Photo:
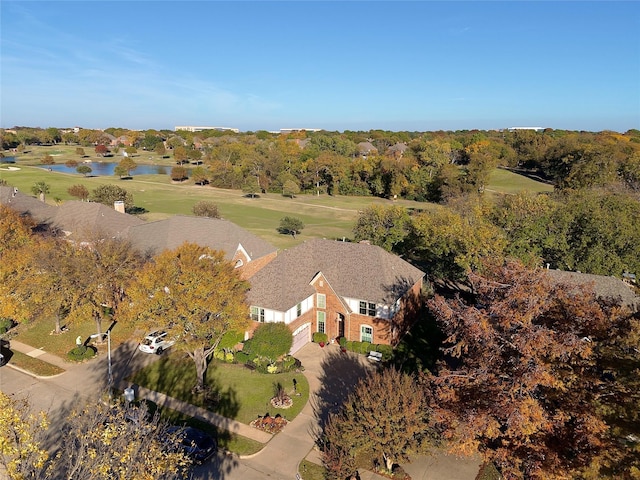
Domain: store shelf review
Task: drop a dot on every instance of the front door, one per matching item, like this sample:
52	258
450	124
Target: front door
340	321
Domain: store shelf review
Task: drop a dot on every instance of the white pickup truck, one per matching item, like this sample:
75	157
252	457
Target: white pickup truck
155	342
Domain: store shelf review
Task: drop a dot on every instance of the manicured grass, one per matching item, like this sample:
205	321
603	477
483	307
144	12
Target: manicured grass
40	335
243	394
34	365
504	181
311	471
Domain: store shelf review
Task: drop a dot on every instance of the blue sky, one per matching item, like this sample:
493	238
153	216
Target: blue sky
335	65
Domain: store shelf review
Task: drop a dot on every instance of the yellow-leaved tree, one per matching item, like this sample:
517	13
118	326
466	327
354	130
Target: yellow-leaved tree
195	295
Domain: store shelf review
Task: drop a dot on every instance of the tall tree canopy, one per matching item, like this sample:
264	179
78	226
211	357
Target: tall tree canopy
523	379
195	294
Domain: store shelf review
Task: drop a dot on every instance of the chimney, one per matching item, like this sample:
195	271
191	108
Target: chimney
118	206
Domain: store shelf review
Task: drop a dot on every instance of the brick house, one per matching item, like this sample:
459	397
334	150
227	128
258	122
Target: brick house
352	290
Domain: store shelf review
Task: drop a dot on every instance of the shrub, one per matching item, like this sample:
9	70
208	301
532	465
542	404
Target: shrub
369	347
343	342
288	363
386	351
272	340
206	208
272	368
81	353
228	357
5	325
320	337
241	357
349	345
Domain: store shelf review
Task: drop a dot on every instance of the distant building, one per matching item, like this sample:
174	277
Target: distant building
190	128
536	129
293	130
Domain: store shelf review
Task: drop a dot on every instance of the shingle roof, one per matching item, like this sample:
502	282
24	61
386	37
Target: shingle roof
604	287
25	204
87	218
218	234
354	270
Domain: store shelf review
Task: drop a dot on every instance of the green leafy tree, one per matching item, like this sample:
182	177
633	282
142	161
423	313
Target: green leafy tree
109	194
84	170
251	186
452	243
206	208
196	295
290	188
131	150
290	226
200	175
124	167
384	421
386	227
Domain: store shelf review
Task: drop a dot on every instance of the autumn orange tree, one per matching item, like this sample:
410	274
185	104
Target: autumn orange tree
522	377
383	422
195	294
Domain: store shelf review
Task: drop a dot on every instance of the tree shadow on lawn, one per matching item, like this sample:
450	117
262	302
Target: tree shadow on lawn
340	373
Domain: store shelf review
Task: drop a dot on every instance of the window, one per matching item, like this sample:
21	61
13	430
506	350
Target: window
367	308
321	300
298	310
366	334
257	314
321	322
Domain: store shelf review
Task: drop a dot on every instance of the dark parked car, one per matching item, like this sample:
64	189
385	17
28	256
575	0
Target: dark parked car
195	443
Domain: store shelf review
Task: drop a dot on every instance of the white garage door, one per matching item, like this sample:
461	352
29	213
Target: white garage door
301	337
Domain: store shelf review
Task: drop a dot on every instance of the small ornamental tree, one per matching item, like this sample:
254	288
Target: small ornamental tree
48	160
384	421
271	340
206	208
78	191
84	170
71	163
290	226
40	189
290	189
131	151
251	186
101	150
80	151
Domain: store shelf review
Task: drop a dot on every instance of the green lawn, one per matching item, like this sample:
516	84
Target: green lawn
504	181
243	394
34	365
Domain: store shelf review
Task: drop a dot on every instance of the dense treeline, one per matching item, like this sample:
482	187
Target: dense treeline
423	166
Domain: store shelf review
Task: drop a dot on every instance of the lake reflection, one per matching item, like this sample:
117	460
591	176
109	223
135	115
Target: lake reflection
107	168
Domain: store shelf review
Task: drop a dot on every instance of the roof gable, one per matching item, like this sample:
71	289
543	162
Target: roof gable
354	270
215	233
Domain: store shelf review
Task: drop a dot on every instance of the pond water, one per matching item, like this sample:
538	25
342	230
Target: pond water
8	160
107	168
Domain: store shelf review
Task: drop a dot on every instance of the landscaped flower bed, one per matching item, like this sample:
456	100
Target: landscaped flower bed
270	424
